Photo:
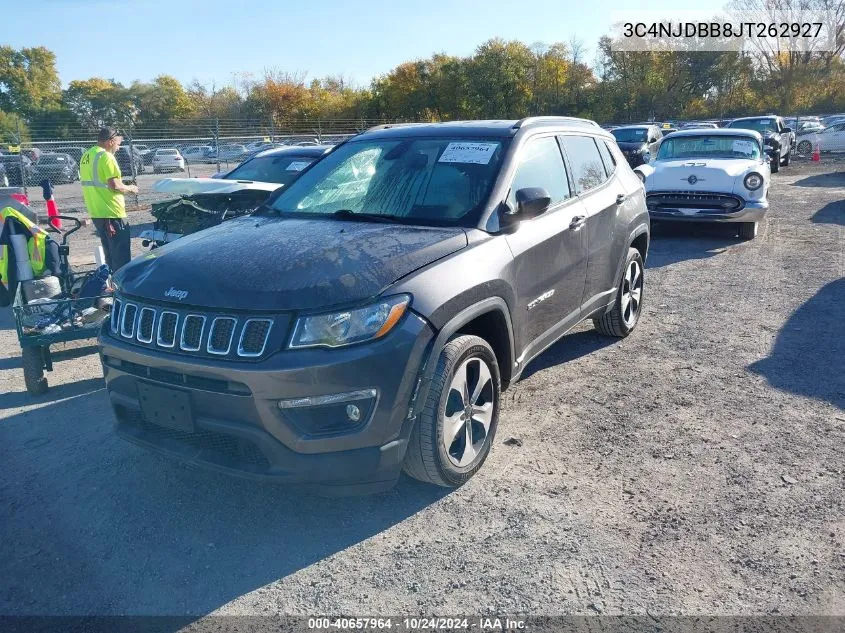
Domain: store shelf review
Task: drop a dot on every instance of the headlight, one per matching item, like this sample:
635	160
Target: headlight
753	181
349	326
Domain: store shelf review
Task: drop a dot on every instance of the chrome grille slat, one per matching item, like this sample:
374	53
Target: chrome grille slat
115	317
219	342
191	339
164	327
203	334
254	331
146	325
130	312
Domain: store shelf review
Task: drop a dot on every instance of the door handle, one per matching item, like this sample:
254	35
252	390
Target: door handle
577	222
621	198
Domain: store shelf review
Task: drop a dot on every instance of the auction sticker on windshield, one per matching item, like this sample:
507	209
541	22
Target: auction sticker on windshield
298	165
475	153
743	147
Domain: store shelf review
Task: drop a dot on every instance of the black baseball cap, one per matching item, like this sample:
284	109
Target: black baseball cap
108	133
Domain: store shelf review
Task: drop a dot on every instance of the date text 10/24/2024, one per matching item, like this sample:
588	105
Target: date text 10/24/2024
417	624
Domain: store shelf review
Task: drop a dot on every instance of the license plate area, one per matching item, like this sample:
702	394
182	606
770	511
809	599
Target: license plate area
167	408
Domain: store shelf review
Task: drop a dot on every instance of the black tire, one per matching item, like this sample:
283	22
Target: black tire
33	370
776	164
805	148
747	230
786	159
427	458
615	323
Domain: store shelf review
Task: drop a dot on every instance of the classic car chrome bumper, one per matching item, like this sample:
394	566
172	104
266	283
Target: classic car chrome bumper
750	212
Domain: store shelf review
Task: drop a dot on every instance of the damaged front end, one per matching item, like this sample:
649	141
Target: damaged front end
191	213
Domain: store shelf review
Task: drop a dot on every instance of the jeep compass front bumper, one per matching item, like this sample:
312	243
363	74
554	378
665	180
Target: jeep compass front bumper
328	416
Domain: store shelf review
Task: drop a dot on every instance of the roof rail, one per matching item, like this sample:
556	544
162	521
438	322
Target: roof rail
552	119
387	126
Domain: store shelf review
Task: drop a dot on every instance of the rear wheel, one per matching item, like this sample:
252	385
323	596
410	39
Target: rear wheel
786	159
455	430
33	370
776	164
747	230
623	317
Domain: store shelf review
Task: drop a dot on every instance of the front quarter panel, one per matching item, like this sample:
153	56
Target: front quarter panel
481	270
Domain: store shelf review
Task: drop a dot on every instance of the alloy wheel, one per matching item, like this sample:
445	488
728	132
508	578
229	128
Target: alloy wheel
632	292
469	411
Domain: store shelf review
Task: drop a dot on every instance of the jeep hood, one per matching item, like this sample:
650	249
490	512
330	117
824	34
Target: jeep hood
193	186
278	264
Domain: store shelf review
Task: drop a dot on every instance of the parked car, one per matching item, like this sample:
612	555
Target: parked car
830	139
231	152
832	119
74	152
367	317
777	137
637	142
195	154
57	168
703	125
206	202
12	164
125	163
711	176
168	159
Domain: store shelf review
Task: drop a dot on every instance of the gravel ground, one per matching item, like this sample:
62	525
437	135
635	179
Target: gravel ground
693	468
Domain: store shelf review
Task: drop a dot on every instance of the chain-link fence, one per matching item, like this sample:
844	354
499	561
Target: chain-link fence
181	149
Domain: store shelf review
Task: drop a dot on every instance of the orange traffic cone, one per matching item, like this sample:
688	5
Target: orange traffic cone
817	153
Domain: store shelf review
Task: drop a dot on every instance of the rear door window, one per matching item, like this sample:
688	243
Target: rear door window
587	165
541	165
607	158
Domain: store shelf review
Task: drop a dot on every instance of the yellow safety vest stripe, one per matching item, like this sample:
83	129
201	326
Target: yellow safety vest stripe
37	245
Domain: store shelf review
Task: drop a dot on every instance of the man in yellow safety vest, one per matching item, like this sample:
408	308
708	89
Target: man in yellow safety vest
103	192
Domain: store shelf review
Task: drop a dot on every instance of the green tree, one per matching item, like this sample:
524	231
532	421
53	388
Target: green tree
29	82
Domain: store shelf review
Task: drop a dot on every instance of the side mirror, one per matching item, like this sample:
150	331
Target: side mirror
787	129
531	202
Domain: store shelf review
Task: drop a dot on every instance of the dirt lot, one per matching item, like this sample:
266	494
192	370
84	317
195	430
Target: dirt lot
695	468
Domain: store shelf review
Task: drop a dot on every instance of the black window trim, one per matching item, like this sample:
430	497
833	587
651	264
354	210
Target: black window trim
517	162
569	170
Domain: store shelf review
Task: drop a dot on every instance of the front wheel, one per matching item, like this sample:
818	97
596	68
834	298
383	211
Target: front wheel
747	230
33	370
805	148
625	314
455	430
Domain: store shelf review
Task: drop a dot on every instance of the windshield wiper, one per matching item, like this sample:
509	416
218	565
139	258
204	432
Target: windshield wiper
348	214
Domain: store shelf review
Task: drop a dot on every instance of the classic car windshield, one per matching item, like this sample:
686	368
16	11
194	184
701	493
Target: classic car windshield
707	146
630	135
417	180
758	125
282	169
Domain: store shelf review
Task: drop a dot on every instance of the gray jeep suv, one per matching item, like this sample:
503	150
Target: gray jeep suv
367	318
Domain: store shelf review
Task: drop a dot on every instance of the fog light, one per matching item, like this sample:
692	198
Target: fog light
331	414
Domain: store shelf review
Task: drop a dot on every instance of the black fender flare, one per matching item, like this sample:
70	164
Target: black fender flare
638	230
426	372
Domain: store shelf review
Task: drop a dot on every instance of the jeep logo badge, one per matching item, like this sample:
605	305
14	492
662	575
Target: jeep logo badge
176	294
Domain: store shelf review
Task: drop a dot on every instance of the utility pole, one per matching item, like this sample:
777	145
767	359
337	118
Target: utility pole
217	142
20	156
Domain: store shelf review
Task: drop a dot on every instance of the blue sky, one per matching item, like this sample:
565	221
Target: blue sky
210	40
